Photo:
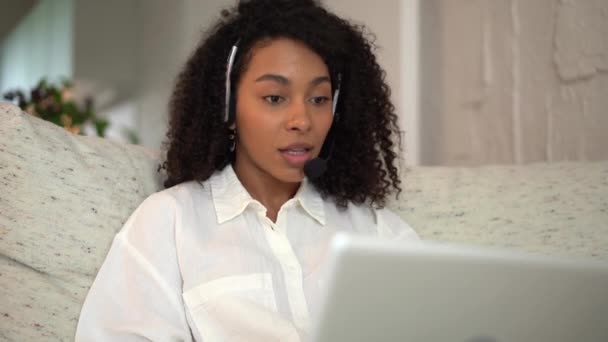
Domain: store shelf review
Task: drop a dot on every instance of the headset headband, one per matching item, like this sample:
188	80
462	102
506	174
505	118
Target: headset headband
231	57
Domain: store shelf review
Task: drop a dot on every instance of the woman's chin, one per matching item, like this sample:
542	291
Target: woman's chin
291	175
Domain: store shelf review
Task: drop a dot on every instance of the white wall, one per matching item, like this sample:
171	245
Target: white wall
514	81
394	23
128	53
107	49
409	61
39	46
170	32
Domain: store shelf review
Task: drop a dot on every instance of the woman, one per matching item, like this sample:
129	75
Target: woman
280	136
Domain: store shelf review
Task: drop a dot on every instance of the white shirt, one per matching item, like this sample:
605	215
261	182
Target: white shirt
204	263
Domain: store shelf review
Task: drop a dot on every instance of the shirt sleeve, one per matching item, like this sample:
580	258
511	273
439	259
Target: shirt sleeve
136	295
390	225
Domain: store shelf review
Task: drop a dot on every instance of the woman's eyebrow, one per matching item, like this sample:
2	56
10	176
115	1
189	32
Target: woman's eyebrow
320	80
272	77
285	81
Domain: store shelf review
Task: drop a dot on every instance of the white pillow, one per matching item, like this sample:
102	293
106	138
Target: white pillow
558	209
62	199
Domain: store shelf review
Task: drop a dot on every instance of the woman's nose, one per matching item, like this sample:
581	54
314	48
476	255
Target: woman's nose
298	117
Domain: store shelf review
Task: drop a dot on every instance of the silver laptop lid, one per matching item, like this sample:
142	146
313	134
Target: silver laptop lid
379	290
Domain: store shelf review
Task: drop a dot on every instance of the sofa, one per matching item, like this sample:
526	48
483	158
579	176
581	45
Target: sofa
63	197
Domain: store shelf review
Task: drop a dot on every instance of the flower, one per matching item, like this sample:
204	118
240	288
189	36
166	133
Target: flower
31	109
67	94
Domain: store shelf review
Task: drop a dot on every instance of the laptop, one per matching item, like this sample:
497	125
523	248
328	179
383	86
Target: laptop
379	290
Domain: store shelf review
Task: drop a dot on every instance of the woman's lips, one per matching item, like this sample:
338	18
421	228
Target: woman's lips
297	155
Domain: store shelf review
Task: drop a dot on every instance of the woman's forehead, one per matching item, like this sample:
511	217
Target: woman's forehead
286	57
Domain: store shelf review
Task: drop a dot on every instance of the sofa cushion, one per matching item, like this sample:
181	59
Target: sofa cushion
62	199
558	209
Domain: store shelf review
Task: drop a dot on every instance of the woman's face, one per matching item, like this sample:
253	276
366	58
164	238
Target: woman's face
283	110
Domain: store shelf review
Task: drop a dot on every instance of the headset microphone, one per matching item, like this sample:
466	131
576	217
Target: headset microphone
314	168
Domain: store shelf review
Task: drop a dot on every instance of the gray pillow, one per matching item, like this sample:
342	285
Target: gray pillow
558	209
62	199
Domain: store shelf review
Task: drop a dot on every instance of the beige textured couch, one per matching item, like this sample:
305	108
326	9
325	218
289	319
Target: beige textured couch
63	197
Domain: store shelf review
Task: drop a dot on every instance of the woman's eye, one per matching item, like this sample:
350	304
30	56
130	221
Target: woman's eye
274	99
319	100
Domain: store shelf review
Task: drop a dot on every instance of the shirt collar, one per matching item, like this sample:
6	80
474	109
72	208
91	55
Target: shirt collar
312	202
230	198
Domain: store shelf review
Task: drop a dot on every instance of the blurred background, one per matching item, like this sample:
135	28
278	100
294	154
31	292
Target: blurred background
475	81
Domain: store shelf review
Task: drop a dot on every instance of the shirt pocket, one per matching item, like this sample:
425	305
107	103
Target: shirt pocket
237	308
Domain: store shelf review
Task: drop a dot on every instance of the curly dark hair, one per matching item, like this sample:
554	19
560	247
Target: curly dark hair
362	165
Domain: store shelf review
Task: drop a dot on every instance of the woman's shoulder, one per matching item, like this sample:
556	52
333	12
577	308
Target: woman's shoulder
184	203
368	218
183	195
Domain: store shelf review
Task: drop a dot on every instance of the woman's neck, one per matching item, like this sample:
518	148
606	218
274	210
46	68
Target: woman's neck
269	191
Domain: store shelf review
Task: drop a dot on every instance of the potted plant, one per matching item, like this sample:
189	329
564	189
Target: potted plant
57	105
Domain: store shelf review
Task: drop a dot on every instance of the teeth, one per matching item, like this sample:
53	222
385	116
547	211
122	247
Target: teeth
296	152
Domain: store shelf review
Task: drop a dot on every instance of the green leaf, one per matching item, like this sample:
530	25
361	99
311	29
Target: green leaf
131	136
100	126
